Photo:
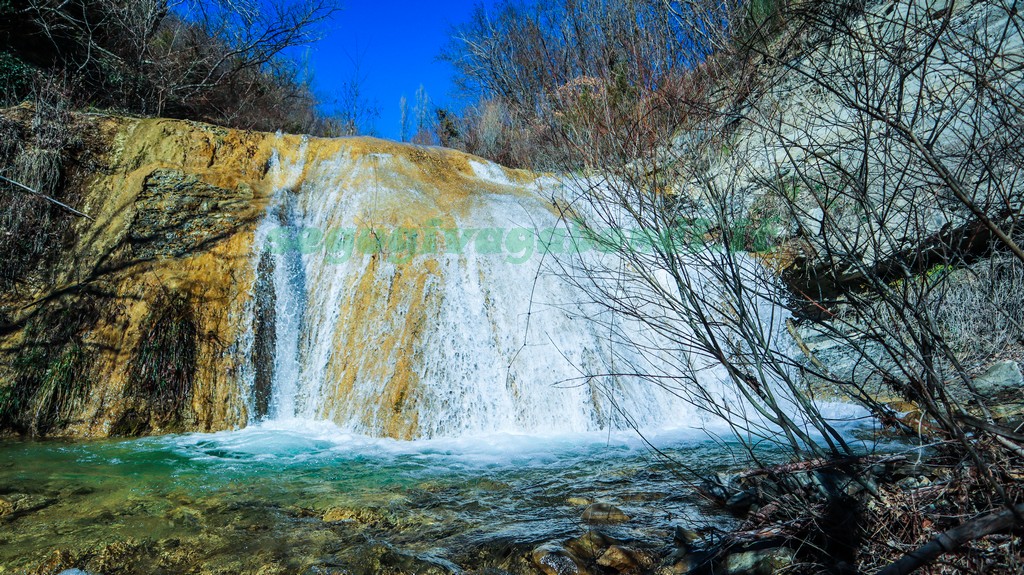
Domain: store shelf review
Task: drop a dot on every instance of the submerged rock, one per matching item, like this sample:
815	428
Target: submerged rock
377	517
604	513
16	504
378	557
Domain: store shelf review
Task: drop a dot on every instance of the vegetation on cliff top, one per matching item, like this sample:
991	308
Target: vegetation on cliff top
221	62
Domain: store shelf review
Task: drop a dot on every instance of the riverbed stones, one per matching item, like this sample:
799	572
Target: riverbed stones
762	562
604	513
1003	377
625	559
553	559
591	545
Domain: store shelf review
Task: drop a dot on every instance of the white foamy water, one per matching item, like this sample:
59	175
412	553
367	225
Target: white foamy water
471	333
482	339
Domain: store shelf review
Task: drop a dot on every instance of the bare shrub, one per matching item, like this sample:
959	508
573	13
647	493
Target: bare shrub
48	385
10	141
222	62
885	139
980	309
571	74
490	129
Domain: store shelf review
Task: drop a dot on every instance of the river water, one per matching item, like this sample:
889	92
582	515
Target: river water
298	496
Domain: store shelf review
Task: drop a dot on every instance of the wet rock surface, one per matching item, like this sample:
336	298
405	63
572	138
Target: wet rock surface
426	526
553	559
599	513
625	559
13	505
766	562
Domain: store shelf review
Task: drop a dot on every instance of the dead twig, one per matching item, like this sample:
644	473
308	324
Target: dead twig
955	538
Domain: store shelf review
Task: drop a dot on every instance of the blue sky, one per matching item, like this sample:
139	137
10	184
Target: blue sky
397	44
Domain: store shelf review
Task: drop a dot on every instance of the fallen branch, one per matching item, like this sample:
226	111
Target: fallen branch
815	464
992	428
954	538
25	188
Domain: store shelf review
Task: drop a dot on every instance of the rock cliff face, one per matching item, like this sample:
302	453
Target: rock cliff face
153	273
136	327
225	276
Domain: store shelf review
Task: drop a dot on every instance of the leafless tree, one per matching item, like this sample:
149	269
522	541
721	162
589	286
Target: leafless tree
422	110
210	60
901	183
403	105
228	43
354	112
567	71
833	169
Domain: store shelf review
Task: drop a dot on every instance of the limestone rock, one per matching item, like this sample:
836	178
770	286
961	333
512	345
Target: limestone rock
604	513
625	559
179	213
1000	378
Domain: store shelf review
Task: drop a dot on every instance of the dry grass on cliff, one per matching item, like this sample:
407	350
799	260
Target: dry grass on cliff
47	388
35	152
163	365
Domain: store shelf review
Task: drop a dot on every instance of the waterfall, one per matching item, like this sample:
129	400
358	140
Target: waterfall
404	293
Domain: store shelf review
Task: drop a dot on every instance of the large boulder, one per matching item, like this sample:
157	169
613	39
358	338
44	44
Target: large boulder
1000	379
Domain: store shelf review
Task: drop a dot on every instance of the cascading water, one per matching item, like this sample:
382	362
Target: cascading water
406	302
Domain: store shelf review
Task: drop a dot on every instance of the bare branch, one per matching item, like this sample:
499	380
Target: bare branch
956	538
24	188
